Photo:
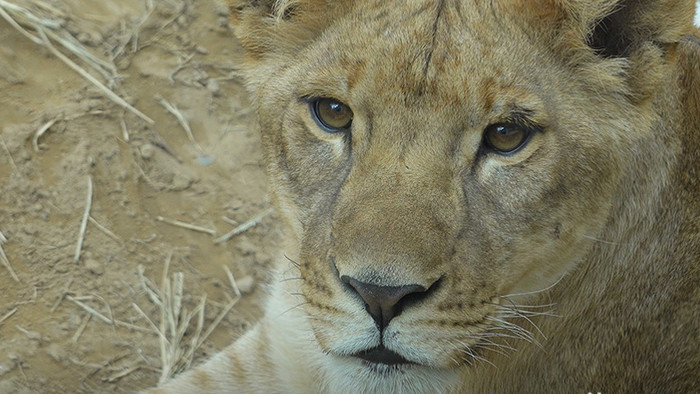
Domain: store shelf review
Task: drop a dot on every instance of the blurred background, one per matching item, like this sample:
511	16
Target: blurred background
132	196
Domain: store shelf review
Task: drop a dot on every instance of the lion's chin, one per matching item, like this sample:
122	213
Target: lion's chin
350	373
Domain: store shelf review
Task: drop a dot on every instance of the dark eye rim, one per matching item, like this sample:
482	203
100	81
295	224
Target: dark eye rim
529	132
313	108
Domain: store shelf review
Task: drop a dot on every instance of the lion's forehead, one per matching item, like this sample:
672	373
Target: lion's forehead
427	55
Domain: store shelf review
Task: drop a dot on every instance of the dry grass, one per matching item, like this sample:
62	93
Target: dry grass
244	226
84	221
178	223
177	351
175	111
4	259
41	23
181	332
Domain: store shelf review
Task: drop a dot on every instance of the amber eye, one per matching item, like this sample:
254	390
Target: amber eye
505	138
331	115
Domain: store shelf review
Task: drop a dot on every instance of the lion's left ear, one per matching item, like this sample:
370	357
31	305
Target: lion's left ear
637	35
617	28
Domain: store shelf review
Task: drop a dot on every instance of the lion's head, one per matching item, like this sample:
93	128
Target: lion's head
441	161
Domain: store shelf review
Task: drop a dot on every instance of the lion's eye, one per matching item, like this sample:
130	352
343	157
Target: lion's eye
505	138
331	115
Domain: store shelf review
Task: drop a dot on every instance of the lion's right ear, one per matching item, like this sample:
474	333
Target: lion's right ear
279	27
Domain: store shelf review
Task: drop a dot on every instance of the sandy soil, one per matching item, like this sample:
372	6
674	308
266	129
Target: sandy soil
181	52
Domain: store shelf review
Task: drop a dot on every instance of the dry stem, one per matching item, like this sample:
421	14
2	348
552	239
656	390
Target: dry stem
83	223
44	35
5	260
243	227
175	320
7	315
186	225
181	119
9	155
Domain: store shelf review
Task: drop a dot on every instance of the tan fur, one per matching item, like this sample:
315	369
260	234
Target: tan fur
572	265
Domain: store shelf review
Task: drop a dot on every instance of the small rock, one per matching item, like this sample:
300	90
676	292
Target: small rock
5	368
246	247
246	284
224	21
201	50
235	204
89	38
57	352
73	320
95	267
213	86
221	8
146	151
33	335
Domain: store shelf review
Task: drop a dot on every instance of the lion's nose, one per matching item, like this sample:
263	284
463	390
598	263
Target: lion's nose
384	302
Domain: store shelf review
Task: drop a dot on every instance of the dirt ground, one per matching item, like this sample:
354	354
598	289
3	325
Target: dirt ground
68	326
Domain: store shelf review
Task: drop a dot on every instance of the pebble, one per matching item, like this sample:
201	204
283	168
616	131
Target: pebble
245	247
56	352
95	266
5	368
221	8
213	86
33	335
146	151
246	284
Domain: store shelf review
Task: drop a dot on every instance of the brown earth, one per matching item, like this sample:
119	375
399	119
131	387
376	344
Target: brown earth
182	52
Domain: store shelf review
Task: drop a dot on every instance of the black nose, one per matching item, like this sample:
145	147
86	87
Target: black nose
384	302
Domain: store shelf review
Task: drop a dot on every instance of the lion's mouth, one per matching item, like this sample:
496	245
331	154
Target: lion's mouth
382	355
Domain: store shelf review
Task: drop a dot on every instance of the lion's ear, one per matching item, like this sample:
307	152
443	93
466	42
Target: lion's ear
276	27
618	28
636	38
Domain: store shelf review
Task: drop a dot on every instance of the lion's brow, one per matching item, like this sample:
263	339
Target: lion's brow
433	36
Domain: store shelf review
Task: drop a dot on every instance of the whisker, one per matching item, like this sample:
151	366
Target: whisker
492	343
291	278
536	291
513	328
292	261
604	241
295	307
523	306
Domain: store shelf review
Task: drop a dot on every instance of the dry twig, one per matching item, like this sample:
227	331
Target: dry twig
83	223
41	131
186	225
104	318
81	329
44	35
9	155
5	260
243	227
181	119
105	230
175	320
7	315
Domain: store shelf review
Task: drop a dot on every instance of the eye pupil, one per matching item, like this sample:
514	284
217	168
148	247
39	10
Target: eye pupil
331	115
336	107
505	138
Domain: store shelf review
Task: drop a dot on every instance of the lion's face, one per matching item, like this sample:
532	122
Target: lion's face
434	163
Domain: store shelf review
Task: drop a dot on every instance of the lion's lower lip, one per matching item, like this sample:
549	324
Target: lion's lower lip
382	355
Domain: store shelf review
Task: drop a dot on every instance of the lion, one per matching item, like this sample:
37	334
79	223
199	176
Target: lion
482	196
